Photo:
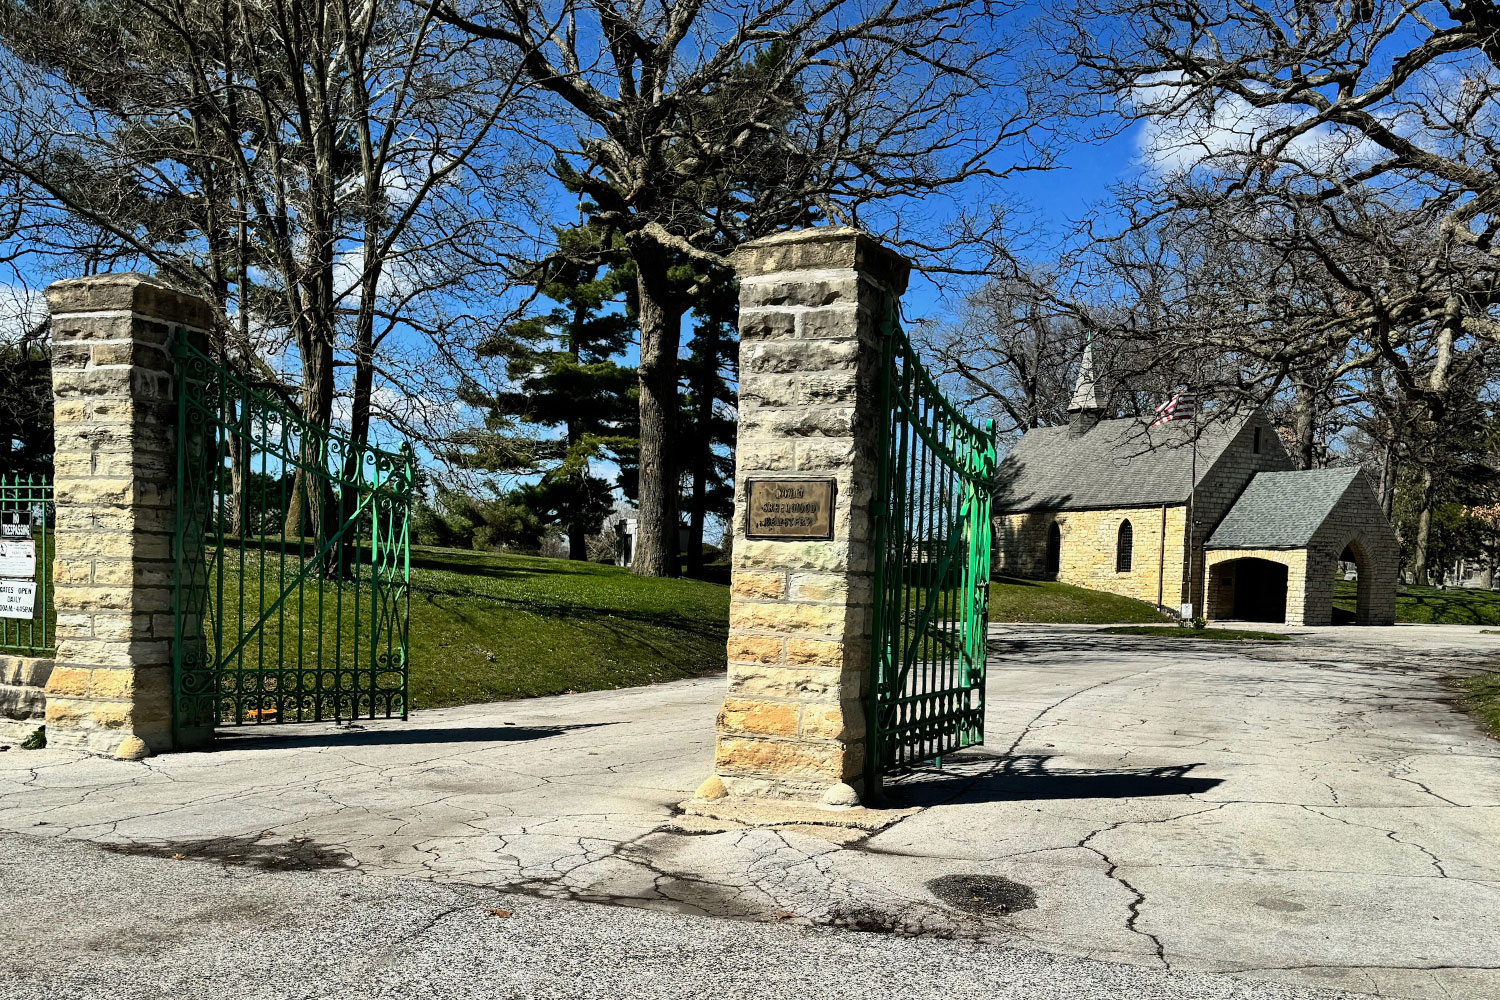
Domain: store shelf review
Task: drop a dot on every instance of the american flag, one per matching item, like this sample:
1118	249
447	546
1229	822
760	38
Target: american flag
1183	405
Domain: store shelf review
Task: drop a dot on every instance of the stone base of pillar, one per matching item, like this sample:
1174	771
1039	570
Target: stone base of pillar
747	811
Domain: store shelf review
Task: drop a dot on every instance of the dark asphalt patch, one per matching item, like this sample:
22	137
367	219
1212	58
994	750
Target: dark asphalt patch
986	895
299	854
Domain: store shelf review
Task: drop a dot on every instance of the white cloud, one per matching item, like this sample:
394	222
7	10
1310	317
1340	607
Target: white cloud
1182	135
349	266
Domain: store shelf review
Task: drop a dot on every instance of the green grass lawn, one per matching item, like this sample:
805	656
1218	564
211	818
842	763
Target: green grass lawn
1210	634
486	627
1429	605
1028	601
483	626
1481	696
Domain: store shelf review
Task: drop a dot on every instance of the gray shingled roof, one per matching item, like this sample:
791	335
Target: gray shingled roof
1282	510
1116	463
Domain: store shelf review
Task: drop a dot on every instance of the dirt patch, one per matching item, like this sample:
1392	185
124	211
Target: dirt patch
985	895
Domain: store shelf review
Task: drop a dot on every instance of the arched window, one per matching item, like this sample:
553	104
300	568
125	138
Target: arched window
1054	549
1123	546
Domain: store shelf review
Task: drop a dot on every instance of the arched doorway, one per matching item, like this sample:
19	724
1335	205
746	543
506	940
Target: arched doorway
1252	590
1353	586
1054	550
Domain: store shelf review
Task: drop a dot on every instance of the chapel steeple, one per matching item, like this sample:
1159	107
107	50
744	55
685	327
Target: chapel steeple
1084	410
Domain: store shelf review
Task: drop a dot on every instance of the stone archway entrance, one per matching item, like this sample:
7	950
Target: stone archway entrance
1365	581
1248	589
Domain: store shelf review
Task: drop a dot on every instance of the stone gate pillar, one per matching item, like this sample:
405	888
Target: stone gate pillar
812	304
114	478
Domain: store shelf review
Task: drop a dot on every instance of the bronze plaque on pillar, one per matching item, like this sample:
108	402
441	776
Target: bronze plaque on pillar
791	508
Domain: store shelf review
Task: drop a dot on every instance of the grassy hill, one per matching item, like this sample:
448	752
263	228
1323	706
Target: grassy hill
486	627
1431	606
1017	600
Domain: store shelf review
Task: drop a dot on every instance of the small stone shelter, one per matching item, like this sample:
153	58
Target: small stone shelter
1287	536
1104	504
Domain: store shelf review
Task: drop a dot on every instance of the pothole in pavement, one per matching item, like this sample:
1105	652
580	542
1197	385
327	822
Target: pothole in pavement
985	895
295	855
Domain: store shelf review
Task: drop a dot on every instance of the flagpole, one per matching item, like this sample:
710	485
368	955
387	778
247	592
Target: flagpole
1193	519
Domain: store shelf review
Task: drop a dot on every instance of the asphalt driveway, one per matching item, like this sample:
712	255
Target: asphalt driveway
1314	812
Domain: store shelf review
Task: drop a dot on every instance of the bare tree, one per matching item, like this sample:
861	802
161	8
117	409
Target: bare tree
1323	187
695	124
329	172
1012	349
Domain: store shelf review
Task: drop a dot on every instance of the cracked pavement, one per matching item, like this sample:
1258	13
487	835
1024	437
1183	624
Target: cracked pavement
1313	812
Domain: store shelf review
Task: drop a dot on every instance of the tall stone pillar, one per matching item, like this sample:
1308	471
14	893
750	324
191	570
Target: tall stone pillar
812	305
115	478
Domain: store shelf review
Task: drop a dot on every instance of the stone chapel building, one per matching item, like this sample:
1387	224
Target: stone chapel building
1104	504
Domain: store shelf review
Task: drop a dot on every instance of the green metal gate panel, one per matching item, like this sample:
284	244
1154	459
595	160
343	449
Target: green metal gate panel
292	561
31	498
932	569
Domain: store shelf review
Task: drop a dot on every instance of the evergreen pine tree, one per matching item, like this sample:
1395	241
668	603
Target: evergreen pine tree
570	404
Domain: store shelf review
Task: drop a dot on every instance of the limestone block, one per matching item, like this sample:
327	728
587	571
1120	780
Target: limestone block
23	699
765	324
756	648
799	355
799	421
813	291
829	722
819	587
803	682
823	762
769	455
787	618
816	652
759	584
747	715
801	389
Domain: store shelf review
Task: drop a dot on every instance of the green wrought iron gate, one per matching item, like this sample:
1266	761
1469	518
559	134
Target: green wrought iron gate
292	561
28	509
932	569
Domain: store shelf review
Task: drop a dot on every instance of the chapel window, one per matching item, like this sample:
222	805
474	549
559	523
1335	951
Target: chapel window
1124	545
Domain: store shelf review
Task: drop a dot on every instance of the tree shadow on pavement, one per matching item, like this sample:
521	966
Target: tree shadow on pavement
971	778
241	740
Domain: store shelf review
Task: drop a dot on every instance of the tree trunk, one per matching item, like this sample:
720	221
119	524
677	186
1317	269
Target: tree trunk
578	534
1304	421
342	557
310	494
1388	469
239	470
1438	385
661	333
1424	531
1491	553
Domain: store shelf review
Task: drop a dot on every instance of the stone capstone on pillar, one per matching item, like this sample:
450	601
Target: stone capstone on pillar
109	690
813	305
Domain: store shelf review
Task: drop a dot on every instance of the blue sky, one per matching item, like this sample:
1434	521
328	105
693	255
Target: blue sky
1055	200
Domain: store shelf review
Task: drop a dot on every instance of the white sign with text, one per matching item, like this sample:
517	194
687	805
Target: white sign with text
17	598
18	558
